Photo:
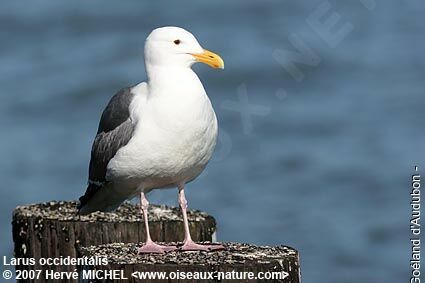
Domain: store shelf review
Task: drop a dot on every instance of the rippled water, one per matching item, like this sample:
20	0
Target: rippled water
322	165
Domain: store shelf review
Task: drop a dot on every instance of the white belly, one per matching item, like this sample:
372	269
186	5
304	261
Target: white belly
172	143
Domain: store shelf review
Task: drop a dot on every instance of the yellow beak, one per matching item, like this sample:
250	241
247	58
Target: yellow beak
209	58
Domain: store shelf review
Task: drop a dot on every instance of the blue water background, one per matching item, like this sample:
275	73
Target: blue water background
324	165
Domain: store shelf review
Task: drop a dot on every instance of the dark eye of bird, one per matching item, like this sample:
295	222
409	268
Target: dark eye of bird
177	41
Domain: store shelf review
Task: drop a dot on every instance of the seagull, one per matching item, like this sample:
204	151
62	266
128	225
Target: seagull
157	134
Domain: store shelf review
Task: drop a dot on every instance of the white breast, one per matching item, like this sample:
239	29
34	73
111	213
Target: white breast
174	138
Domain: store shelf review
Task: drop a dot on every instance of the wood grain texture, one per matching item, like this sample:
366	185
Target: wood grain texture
53	229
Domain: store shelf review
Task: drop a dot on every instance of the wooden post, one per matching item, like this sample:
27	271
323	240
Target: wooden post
237	263
53	229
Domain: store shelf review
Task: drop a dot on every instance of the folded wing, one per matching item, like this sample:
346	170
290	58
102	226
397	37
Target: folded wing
115	130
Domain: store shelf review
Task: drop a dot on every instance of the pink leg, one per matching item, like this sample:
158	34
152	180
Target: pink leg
189	244
150	246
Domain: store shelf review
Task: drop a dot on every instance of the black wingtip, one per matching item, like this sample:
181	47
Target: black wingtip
92	189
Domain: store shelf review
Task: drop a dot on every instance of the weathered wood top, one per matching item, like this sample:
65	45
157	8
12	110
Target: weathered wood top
127	212
53	229
234	253
279	264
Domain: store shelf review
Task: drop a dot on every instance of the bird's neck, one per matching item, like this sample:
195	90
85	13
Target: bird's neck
176	79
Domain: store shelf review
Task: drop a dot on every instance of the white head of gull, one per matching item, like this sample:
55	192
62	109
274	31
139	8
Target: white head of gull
156	134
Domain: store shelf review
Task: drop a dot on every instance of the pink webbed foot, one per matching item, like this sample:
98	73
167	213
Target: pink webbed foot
192	246
151	247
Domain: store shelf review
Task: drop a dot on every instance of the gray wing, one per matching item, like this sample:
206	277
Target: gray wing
117	111
115	130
